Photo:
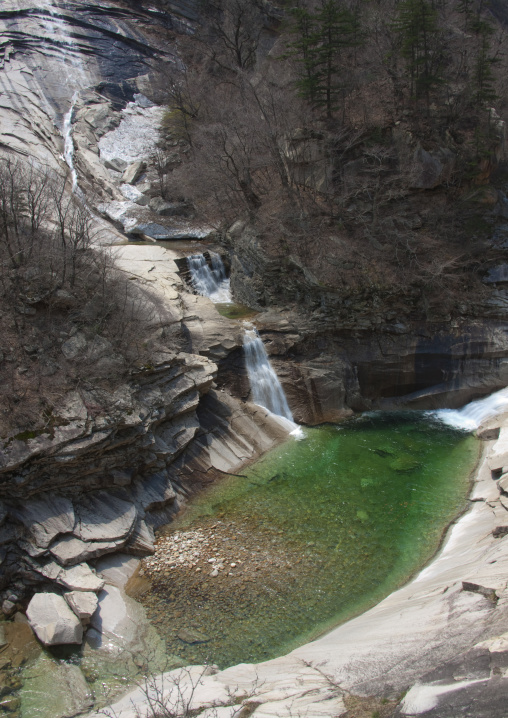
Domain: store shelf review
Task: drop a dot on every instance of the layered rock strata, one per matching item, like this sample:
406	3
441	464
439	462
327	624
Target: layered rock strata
115	464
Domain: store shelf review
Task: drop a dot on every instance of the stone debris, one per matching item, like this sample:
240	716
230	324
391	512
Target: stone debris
53	621
184	549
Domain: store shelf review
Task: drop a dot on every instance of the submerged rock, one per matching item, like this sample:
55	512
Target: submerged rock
191	635
54	688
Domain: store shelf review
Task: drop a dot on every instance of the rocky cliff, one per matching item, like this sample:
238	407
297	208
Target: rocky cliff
113	459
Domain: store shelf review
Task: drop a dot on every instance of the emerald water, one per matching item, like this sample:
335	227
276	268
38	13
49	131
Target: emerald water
312	534
234	310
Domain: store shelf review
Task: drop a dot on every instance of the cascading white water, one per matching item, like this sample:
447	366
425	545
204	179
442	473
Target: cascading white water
472	415
266	388
56	30
209	281
69	144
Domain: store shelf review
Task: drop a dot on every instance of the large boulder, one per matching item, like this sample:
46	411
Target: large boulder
430	169
169	209
133	172
53	621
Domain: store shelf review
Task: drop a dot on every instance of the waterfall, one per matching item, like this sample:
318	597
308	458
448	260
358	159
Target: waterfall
209	281
69	144
57	32
472	415
266	388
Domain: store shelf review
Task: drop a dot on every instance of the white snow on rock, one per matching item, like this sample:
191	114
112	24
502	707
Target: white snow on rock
136	135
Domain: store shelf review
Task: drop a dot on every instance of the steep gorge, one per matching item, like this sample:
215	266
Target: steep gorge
140	445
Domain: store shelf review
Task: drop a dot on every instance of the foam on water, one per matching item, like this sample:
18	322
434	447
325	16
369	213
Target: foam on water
209	281
472	415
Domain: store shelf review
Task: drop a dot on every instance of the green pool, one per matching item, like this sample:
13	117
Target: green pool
314	533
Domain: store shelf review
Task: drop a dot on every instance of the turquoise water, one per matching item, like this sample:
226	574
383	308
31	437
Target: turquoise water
318	530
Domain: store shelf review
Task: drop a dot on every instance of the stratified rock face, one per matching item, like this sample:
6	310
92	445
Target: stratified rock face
46	517
53	621
103	517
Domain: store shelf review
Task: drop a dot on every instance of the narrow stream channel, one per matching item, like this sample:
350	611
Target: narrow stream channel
314	533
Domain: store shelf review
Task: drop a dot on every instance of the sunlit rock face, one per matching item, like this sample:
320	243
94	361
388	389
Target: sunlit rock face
50	50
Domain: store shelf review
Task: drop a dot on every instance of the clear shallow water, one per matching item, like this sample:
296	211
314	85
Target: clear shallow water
318	531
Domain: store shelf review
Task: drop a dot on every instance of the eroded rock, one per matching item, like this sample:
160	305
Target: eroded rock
46	517
104	517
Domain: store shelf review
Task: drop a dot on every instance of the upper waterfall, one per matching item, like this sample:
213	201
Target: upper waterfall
64	44
266	388
472	415
209	281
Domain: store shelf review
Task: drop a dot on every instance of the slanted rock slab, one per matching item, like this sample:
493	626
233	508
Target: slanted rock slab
104	517
80	578
53	621
83	604
70	550
133	172
46	517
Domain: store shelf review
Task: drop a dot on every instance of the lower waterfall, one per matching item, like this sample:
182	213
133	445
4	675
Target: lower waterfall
209	281
266	388
472	415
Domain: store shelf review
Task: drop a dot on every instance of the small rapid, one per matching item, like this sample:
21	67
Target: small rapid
210	281
266	388
472	415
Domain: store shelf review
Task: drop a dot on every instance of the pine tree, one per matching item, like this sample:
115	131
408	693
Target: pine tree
303	47
338	30
320	39
483	76
418	28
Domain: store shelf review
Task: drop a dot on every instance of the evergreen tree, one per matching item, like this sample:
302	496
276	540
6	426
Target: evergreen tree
418	29
338	29
483	76
320	39
303	46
